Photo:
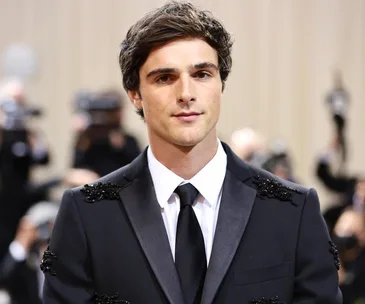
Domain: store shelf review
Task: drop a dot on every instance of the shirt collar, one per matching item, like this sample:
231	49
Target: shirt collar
208	181
164	180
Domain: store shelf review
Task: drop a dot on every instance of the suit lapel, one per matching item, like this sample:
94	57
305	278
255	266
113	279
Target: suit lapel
235	209
139	200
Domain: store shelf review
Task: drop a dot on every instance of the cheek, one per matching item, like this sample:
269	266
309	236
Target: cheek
153	110
215	101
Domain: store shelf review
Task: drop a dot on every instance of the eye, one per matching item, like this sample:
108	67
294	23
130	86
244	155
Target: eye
202	75
163	78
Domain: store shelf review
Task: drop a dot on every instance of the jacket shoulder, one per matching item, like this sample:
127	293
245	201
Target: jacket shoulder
247	173
269	185
267	174
110	183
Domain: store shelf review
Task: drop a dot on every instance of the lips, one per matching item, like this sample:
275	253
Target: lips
187	116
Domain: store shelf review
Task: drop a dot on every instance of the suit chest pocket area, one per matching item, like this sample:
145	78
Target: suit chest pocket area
258	275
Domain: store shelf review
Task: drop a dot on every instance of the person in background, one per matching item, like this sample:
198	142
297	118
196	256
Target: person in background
250	145
20	274
345	186
102	144
279	162
349	235
21	149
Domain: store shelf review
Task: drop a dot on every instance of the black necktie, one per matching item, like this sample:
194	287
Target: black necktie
190	260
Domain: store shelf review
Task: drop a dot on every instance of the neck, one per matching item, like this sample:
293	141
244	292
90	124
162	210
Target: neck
185	161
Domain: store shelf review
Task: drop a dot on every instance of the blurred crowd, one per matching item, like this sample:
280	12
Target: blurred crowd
101	145
28	209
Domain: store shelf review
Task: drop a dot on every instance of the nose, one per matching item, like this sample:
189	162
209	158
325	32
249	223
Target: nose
185	90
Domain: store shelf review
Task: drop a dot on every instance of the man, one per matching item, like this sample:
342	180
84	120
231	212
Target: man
250	145
102	144
17	276
143	235
21	148
20	275
343	185
349	234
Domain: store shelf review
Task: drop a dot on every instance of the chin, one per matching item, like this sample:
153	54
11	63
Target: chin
187	141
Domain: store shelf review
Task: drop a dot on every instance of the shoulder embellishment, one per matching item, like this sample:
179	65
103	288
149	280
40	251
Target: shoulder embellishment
270	188
101	191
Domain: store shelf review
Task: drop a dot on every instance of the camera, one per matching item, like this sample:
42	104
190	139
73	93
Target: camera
43	215
99	108
16	115
15	148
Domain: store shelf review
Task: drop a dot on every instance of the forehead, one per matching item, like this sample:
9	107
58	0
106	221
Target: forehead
180	54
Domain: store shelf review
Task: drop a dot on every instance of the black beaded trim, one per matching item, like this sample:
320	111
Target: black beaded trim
263	300
47	262
336	255
101	191
102	298
271	188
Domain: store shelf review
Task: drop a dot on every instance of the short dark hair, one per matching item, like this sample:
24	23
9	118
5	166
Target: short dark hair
174	20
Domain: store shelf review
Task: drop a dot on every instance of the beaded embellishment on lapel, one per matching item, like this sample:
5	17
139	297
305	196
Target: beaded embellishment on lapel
47	260
336	256
101	298
101	191
263	300
267	187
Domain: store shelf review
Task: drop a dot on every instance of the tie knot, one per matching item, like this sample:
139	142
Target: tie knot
187	194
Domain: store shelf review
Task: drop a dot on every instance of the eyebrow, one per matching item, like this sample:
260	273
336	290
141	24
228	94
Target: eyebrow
162	71
202	65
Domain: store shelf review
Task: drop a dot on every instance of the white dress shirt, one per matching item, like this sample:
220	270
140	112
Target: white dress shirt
208	181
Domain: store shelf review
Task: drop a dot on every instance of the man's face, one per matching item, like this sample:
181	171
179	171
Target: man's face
181	90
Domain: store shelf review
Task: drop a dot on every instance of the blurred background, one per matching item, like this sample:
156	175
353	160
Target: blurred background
294	105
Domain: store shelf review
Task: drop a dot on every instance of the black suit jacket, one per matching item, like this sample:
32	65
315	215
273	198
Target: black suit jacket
271	244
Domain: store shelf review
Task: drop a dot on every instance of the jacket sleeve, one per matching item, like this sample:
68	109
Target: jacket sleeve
8	267
334	183
66	262
316	277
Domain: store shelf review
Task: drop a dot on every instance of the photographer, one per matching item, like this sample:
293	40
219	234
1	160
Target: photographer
102	145
20	275
342	184
349	236
20	149
279	162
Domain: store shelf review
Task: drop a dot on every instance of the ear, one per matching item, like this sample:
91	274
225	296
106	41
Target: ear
135	99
